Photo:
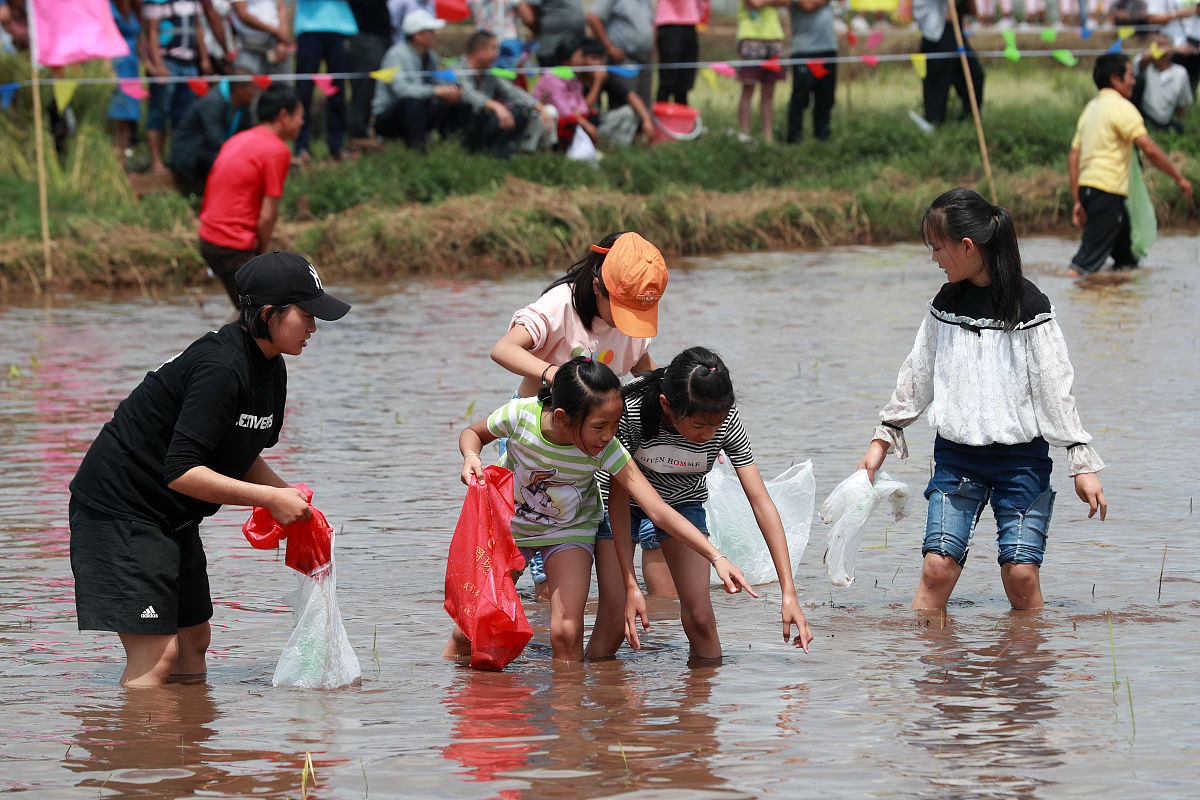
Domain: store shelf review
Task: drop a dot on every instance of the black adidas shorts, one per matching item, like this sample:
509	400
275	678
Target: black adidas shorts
134	577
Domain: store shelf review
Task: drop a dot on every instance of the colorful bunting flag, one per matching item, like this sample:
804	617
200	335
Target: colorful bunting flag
721	68
325	84
199	86
1049	34
1010	46
1066	57
7	90
133	88
445	75
1115	47
919	64
564	72
710	77
851	38
1085	32
625	70
499	72
817	67
772	64
870	60
71	31
874	39
63	92
1124	32
263	81
386	75
1156	52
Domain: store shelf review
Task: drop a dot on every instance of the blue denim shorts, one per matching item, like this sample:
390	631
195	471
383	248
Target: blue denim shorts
644	531
1014	479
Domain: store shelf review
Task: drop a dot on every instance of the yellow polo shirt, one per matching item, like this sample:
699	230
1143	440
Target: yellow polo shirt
1104	138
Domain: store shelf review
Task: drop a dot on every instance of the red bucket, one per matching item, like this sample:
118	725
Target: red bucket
675	122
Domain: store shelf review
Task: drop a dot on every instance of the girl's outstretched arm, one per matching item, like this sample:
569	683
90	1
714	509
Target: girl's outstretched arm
767	516
470	442
635	602
670	520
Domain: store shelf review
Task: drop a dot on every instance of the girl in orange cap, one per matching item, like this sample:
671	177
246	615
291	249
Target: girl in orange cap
606	307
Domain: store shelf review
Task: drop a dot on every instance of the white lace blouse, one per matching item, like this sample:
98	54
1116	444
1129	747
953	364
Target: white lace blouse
984	385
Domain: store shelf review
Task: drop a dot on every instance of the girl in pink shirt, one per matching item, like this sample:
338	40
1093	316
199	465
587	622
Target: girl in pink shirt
606	306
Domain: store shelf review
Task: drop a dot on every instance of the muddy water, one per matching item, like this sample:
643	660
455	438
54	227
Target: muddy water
1094	697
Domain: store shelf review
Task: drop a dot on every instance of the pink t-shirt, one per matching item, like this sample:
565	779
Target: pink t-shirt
565	95
558	334
677	12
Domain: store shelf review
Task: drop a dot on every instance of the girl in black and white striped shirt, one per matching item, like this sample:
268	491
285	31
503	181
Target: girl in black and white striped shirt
676	420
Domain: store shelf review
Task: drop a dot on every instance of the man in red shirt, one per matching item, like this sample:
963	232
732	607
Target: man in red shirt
241	199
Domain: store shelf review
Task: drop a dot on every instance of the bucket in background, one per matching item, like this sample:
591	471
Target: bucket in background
675	122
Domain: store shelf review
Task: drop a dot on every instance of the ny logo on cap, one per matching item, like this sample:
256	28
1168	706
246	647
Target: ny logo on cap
316	278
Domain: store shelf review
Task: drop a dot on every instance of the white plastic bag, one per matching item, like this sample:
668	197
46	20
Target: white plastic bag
582	148
318	655
848	507
734	530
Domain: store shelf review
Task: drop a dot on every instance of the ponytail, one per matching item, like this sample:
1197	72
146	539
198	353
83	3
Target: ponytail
583	277
964	214
696	382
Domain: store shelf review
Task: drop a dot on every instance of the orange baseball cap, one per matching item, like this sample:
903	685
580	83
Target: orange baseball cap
635	276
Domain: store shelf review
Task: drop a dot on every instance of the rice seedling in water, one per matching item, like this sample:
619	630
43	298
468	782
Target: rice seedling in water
1113	643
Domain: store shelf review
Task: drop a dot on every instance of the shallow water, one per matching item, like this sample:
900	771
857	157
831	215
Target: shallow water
1093	697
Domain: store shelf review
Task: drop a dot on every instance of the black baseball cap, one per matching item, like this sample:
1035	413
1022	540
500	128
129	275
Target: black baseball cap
278	279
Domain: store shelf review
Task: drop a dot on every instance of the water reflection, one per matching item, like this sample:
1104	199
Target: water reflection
990	708
581	733
159	742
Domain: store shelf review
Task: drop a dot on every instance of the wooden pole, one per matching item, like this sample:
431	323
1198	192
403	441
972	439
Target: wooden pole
966	68
39	146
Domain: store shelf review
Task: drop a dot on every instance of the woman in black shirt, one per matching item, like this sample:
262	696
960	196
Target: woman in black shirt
186	441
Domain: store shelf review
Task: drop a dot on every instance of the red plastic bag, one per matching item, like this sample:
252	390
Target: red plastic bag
308	540
480	595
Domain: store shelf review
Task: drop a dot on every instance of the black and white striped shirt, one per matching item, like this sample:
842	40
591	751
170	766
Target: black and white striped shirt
674	466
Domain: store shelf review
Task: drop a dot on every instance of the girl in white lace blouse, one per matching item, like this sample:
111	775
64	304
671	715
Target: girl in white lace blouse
991	367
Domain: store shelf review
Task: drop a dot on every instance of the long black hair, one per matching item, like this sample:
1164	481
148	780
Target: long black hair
579	385
580	276
964	214
695	382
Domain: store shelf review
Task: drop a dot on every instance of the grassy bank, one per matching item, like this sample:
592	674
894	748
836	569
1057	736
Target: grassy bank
450	212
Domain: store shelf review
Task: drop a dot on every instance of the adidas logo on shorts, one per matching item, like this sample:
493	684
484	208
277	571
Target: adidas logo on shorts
149	613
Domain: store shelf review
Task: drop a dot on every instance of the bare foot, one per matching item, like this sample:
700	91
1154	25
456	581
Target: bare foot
459	645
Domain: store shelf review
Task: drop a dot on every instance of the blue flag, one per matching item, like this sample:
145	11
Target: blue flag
625	70
7	91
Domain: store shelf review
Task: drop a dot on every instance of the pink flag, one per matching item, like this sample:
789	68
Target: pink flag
70	31
133	87
721	68
874	39
325	84
870	60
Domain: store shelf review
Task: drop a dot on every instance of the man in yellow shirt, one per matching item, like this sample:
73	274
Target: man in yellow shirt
1099	163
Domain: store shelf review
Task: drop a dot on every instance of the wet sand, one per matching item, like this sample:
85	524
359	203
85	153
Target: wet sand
1092	697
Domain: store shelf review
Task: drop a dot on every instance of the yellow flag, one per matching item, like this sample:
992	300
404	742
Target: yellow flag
385	75
919	64
709	76
1125	32
63	92
1156	52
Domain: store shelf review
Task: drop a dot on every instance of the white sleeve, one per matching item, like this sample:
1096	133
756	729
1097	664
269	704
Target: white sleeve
914	389
1050	379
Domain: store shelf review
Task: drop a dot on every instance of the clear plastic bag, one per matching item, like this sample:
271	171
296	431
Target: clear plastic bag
318	654
848	507
734	530
1143	221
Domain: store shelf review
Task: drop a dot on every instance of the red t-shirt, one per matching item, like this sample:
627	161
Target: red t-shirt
251	165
